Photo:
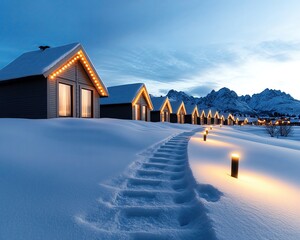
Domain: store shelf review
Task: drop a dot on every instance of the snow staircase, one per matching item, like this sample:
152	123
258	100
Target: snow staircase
156	201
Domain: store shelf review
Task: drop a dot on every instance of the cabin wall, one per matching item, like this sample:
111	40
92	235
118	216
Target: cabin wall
78	78
24	98
142	102
173	118
119	111
188	118
155	116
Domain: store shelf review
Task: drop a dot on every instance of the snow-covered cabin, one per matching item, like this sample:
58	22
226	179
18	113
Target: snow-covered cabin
177	116
208	114
51	82
130	101
215	117
229	119
161	109
192	114
202	118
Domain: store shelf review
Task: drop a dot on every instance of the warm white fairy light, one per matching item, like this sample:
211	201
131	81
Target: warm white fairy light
79	56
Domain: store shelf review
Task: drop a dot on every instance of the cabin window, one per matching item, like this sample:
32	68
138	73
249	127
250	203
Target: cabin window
137	112
166	116
162	116
144	113
86	103
65	100
182	118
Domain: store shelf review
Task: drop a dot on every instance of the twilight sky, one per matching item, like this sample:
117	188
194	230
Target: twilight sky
193	46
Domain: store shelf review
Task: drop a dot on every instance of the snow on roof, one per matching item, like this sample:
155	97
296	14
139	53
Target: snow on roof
176	105
190	108
158	102
37	62
122	93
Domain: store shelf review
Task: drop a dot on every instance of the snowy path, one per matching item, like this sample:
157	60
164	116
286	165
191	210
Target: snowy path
157	200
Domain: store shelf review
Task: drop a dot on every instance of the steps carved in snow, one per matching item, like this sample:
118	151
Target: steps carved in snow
157	201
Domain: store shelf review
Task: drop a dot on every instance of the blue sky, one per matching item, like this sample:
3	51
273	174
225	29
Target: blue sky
191	46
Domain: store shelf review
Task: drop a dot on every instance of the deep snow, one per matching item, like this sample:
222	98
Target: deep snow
117	179
263	203
50	170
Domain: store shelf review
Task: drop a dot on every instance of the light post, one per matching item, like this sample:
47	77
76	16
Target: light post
235	165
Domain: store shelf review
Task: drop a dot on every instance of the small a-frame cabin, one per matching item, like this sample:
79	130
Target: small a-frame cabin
177	116
229	119
192	114
215	117
208	118
51	82
222	120
201	119
162	109
130	101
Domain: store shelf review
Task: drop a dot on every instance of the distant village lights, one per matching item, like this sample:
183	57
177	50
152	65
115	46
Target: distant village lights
88	68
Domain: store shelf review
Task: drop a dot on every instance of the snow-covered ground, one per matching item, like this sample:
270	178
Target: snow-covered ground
263	203
117	179
50	170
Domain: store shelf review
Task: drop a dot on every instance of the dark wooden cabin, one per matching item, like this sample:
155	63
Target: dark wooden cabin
50	83
130	101
192	114
161	109
177	116
202	117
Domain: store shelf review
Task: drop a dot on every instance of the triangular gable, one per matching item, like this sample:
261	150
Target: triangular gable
78	54
203	114
195	111
168	104
209	115
216	115
143	91
181	106
51	62
222	118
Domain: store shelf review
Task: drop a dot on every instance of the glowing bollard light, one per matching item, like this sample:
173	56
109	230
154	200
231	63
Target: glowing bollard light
235	165
220	125
210	127
206	131
204	137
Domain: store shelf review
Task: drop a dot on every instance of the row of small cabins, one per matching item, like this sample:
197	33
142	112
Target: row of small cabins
62	82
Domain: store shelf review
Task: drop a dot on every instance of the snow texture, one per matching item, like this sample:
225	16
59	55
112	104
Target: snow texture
122	94
263	203
37	62
158	102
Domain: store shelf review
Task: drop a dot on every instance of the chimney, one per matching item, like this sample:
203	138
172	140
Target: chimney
42	48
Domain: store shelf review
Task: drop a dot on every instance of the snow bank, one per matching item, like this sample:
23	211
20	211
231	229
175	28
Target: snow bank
263	203
50	170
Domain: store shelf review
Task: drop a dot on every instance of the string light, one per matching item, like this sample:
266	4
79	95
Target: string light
79	57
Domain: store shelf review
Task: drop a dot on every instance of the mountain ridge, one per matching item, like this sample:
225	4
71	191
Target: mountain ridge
268	102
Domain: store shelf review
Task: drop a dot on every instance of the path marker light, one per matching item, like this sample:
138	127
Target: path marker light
206	130
235	158
210	127
204	136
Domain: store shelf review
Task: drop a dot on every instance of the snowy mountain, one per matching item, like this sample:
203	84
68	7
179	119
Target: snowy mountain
267	102
271	101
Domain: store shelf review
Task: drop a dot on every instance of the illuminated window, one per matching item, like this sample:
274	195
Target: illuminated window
86	103
137	112
65	100
144	113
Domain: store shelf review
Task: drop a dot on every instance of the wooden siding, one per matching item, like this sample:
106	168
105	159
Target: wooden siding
78	78
120	111
142	102
24	98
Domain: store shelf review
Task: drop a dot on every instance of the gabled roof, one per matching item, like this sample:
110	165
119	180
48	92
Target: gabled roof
191	108
128	93
227	115
176	106
46	62
202	114
160	102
